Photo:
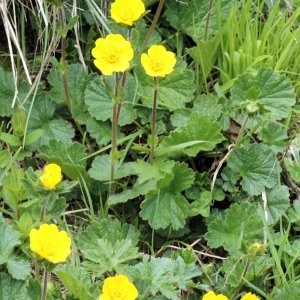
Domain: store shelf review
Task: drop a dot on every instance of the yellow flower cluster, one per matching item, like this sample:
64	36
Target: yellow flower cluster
127	11
118	288
50	243
51	176
114	53
212	296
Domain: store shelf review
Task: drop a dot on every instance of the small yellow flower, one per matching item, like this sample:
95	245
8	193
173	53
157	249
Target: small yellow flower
250	296
50	243
51	176
158	62
118	288
212	296
112	54
127	11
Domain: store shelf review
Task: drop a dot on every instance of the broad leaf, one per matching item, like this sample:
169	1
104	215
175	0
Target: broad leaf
256	165
278	201
100	169
18	268
12	289
271	92
76	281
107	246
205	54
13	190
163	276
9	238
7	91
201	133
148	177
77	80
42	117
288	291
71	158
275	136
193	17
240	227
174	91
162	209
100	131
98	100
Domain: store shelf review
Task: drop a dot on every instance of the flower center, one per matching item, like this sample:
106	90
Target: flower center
156	66
112	58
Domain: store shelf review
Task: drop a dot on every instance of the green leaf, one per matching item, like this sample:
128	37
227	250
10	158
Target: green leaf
98	100
201	206
148	177
162	209
240	226
71	158
202	133
162	276
275	136
108	246
100	131
205	54
77	80
293	168
10	139
42	117
191	17
76	281
7	92
100	169
237	268
18	268
256	165
174	91
274	93
208	105
33	136
183	178
288	291
12	289
278	201
9	239
13	190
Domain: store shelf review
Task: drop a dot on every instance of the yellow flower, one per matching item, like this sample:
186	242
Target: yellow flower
127	11
50	243
250	296
212	296
118	288
112	54
158	62
51	176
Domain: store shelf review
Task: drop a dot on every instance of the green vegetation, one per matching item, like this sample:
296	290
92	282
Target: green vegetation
183	178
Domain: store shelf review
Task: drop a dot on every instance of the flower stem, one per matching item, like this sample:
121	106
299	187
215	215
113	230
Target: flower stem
154	22
114	149
153	121
45	284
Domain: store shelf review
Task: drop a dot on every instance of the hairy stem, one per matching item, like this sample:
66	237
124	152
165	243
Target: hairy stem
45	284
153	121
154	22
114	149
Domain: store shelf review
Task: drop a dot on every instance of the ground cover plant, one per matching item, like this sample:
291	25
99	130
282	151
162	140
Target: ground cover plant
149	149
